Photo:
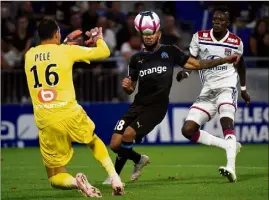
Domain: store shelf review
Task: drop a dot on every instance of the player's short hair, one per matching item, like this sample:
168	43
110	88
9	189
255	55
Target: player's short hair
47	28
223	9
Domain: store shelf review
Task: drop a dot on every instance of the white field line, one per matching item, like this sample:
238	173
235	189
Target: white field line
182	166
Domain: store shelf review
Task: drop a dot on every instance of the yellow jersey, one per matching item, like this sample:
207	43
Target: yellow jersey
48	70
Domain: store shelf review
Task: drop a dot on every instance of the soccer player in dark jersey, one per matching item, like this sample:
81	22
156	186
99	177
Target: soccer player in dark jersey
153	67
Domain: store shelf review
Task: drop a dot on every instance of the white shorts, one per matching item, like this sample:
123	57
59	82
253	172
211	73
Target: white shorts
209	102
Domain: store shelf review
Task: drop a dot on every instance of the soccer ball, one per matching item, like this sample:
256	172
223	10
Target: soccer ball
147	23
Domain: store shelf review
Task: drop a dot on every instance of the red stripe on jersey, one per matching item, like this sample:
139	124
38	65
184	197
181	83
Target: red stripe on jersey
233	39
204	35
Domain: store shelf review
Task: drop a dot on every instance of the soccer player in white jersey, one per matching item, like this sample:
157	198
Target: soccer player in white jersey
219	93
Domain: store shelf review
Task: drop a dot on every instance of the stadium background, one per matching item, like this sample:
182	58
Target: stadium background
98	86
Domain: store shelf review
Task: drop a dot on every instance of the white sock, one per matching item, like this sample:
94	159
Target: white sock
208	139
230	150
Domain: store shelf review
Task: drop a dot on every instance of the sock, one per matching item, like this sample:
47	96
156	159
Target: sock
204	137
127	152
63	181
119	164
134	156
101	154
230	138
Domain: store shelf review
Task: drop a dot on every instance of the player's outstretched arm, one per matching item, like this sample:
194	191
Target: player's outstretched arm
183	74
241	68
101	50
87	54
194	64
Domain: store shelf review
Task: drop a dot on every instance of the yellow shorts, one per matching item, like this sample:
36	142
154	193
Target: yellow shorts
56	140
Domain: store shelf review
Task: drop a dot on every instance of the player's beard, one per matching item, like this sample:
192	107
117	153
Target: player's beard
152	46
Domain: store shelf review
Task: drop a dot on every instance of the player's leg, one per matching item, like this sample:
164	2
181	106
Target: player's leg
119	129
202	110
119	162
115	146
227	103
81	130
101	155
142	126
126	151
126	146
56	150
60	179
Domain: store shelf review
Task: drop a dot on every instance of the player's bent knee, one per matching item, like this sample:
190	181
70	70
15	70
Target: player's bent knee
62	181
114	147
129	134
189	129
227	110
115	142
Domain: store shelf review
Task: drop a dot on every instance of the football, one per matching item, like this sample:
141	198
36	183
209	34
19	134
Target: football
147	23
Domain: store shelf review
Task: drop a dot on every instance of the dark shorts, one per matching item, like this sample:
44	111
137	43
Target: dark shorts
141	118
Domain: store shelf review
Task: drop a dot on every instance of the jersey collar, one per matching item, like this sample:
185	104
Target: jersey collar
151	52
222	40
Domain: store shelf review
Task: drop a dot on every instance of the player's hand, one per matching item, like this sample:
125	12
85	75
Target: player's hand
74	38
245	96
232	59
94	34
182	75
127	84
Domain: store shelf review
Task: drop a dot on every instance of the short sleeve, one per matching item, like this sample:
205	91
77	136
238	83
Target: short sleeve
241	48
180	57
133	70
194	45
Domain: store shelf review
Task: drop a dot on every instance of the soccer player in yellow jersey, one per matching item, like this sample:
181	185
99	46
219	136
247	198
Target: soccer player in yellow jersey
59	118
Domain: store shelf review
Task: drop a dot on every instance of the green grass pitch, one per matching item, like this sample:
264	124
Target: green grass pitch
176	172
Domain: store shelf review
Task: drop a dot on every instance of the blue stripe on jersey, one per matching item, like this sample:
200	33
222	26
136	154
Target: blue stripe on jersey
201	76
234	94
222	45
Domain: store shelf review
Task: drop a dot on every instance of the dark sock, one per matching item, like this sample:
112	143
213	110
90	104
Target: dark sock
126	151
134	156
119	164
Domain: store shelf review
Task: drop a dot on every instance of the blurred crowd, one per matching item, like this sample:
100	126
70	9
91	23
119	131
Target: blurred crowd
18	34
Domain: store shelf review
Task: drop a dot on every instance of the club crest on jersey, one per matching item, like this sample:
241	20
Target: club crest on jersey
227	52
47	95
164	55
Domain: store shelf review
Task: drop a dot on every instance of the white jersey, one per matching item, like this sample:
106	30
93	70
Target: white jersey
205	46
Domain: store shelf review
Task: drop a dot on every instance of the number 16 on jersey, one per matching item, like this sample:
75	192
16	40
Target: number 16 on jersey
46	95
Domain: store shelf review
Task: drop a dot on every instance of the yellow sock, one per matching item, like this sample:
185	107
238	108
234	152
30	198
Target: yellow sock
63	181
101	154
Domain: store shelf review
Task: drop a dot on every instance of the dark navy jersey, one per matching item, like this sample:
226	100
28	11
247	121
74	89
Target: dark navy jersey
154	73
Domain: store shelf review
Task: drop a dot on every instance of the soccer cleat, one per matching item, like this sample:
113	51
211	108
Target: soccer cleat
228	172
144	160
85	187
238	147
117	185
